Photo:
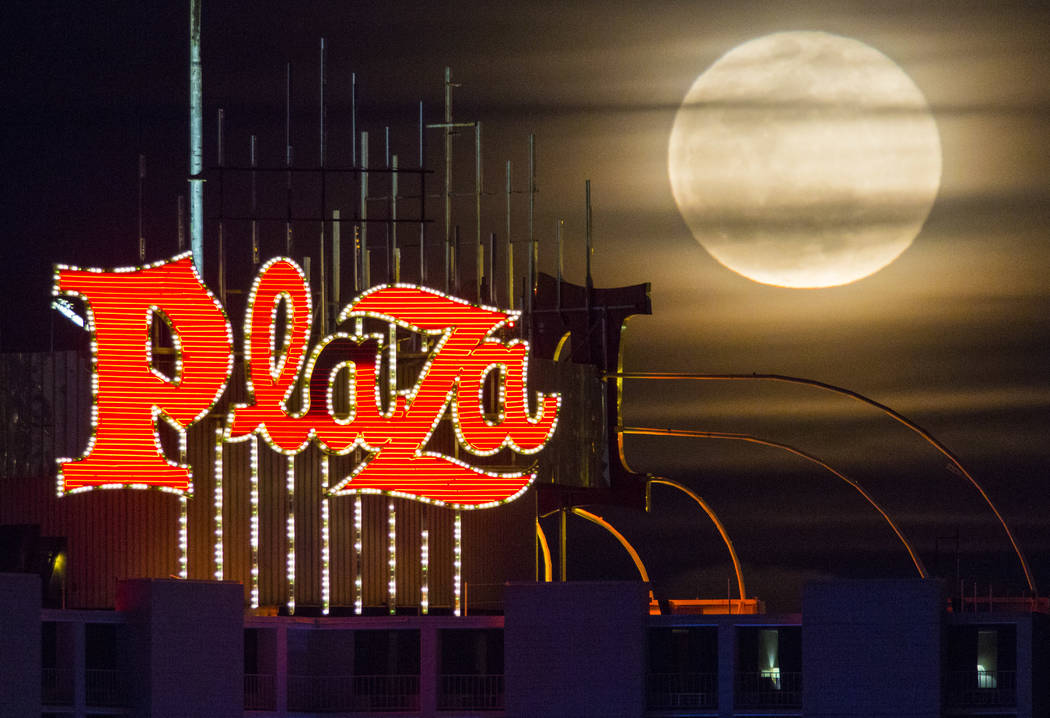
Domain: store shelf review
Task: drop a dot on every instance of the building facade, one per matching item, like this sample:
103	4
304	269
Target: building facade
859	648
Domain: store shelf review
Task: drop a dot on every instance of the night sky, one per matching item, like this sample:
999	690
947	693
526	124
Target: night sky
954	334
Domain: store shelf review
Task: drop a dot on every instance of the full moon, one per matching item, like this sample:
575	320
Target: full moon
804	159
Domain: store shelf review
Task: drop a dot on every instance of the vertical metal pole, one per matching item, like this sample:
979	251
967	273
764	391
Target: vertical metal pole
422	202
356	254
222	248
181	223
590	250
563	544
322	280
560	225
477	211
253	160
288	160
389	207
336	269
142	238
491	271
510	248
353	118
196	188
455	259
364	263
534	254
448	179
395	251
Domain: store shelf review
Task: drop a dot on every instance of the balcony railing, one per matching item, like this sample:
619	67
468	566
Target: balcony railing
765	690
981	688
386	693
471	692
682	690
259	692
320	694
340	693
105	687
57	686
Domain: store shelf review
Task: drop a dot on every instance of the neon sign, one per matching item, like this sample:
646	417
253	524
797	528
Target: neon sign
282	372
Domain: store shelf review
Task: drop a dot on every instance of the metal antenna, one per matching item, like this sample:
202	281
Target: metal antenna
253	162
196	180
448	178
288	158
479	270
510	248
321	278
220	139
422	202
142	238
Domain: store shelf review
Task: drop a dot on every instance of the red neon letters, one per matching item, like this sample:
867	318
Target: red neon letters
129	396
466	356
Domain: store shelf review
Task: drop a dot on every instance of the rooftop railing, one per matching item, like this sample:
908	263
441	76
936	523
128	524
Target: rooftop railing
981	688
481	692
681	690
761	689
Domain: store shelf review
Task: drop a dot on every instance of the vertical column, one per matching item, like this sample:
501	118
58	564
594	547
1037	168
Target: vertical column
20	644
200	669
726	668
428	668
1025	667
79	666
280	687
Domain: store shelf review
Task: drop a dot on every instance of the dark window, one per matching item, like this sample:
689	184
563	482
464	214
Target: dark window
101	642
49	644
386	653
472	651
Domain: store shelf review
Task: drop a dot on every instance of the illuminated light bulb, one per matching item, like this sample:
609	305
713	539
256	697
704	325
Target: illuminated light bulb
424	560
358	582
392	588
326	595
457	583
290	484
255	522
218	554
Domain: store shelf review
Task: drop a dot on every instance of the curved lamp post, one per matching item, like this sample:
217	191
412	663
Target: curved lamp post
896	416
797	452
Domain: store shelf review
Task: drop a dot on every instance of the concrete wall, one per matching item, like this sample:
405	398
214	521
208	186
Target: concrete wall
575	649
186	646
871	648
19	644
